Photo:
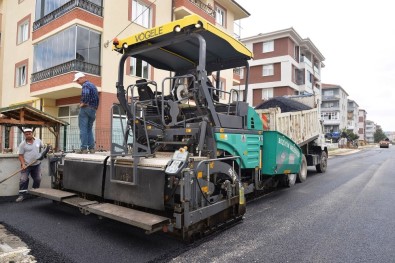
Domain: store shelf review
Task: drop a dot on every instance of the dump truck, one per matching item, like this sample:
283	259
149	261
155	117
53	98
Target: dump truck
188	159
384	143
298	117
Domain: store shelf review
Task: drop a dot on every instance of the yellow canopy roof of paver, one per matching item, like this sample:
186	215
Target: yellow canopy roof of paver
222	50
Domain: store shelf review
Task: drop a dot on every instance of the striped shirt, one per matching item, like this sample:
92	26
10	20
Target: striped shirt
90	95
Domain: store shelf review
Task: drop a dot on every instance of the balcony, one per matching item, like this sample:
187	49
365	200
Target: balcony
351	124
333	108
331	122
73	65
330	97
317	72
305	60
83	4
187	7
237	75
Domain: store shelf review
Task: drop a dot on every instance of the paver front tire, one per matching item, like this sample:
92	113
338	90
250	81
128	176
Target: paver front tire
321	167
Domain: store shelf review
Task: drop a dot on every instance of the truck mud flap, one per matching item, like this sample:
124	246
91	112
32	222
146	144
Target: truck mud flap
149	222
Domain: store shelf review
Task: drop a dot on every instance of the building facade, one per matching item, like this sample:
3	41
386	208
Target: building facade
352	116
284	64
334	108
44	43
391	136
362	126
370	130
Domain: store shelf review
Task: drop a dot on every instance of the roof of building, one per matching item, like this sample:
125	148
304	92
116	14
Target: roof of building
304	43
333	86
239	11
285	104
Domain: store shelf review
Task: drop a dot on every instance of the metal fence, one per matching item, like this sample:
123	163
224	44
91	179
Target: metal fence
69	139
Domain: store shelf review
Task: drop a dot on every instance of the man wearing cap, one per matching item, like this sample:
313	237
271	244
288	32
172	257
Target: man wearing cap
29	153
87	115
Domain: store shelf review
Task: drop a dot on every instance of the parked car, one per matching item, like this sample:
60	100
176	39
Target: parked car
384	143
334	136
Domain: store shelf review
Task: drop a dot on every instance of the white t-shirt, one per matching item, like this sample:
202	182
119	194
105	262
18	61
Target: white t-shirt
31	151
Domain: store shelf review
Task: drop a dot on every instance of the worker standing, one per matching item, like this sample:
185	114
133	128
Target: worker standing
87	115
29	153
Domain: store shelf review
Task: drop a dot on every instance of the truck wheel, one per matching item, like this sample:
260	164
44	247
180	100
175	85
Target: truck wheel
321	167
290	180
302	175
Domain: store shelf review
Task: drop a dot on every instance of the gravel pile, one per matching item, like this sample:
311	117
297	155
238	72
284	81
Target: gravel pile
13	249
285	104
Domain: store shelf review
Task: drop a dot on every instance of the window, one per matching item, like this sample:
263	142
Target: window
21	76
220	16
311	77
119	126
268	46
328	93
222	89
330	115
241	73
44	7
267	94
267	70
296	53
74	43
141	13
69	114
299	73
139	68
23	31
88	45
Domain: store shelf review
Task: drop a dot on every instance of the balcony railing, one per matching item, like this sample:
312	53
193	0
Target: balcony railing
306	60
84	4
334	108
316	70
330	97
206	8
73	65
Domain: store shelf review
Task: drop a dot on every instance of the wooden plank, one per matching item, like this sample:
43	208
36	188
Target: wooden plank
78	201
147	221
53	194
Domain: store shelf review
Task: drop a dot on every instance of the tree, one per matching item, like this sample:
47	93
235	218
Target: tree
349	135
379	135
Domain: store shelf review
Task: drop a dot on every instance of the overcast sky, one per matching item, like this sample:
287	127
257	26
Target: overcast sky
355	37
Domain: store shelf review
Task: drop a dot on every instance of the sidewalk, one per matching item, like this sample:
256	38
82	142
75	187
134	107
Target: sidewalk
346	151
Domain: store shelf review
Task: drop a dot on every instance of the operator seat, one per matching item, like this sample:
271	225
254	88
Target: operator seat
144	91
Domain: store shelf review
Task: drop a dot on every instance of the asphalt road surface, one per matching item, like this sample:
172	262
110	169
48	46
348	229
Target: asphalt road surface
344	215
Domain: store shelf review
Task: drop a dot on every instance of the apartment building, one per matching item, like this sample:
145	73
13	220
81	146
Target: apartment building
284	64
352	116
44	43
334	107
1	47
362	126
370	130
390	135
